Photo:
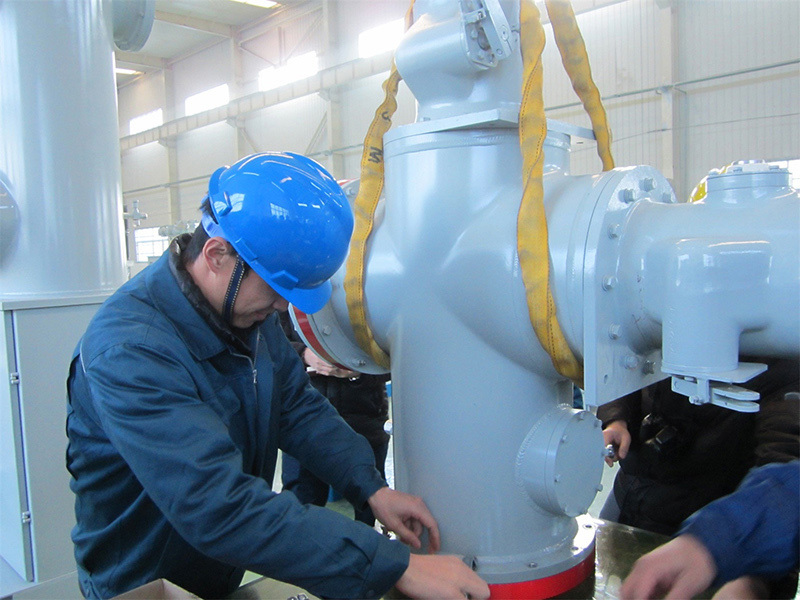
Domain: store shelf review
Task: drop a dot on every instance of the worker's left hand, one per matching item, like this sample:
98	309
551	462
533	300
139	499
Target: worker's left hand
407	516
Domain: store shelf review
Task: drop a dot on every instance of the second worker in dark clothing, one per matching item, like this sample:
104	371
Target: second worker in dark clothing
682	456
676	457
362	402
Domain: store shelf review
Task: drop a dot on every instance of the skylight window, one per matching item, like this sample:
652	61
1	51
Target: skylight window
296	68
261	3
218	96
381	38
146	121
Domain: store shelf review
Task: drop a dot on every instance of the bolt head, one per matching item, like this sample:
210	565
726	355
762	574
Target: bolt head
631	361
627	195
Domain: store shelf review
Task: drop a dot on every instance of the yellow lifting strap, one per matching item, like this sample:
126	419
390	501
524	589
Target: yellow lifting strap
369	193
532	244
576	63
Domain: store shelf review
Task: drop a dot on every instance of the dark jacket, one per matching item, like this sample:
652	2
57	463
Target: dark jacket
755	530
361	401
683	456
174	430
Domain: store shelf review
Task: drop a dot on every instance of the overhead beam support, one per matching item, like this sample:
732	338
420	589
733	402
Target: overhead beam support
203	25
137	59
324	80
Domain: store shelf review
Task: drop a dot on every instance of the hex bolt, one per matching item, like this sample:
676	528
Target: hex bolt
613	231
599	487
647	184
631	361
564	439
627	195
326	330
361	362
532	565
609	281
557	478
614	331
649	367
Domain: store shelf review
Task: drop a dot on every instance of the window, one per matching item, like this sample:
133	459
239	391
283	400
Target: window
296	68
218	96
149	243
381	38
146	121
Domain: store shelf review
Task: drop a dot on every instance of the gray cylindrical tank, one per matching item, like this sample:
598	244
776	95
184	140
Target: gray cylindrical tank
59	158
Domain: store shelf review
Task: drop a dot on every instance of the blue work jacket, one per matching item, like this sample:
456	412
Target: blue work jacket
173	439
756	529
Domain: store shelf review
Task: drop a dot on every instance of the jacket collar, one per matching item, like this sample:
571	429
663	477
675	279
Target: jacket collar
175	295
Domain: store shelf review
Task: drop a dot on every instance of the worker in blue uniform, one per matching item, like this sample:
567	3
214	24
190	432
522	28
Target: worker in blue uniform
184	387
755	531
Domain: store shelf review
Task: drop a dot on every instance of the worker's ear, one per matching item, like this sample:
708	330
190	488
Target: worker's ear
217	253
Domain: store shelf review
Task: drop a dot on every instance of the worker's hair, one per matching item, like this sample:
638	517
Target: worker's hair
199	238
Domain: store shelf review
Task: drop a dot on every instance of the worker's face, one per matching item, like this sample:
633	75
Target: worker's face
255	302
212	273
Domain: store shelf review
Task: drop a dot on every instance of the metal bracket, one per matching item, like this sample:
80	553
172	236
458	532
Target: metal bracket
488	33
719	390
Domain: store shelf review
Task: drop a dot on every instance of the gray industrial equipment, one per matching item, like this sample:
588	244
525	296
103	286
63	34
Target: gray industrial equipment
61	254
644	287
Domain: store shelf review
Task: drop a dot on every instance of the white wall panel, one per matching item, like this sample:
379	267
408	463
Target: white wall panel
142	97
201	72
146	167
200	153
748	116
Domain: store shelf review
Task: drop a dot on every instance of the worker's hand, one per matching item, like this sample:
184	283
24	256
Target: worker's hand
617	435
681	568
441	577
322	367
407	516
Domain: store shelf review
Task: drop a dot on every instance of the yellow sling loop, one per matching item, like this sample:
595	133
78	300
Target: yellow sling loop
576	64
532	242
369	192
532	237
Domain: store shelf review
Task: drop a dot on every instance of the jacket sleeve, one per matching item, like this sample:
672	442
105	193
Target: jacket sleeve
621	409
756	529
777	429
180	451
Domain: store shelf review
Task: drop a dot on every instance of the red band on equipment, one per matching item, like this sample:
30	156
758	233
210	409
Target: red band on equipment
308	333
547	587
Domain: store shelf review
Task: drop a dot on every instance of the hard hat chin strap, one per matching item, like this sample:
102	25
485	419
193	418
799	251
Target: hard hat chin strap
234	284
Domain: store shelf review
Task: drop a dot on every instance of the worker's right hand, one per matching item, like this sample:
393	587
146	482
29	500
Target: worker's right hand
681	568
321	367
616	434
441	576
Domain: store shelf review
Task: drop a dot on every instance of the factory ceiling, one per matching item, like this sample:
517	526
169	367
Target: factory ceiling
185	27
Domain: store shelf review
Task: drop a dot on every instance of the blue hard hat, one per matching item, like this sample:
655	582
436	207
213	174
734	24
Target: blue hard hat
287	218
